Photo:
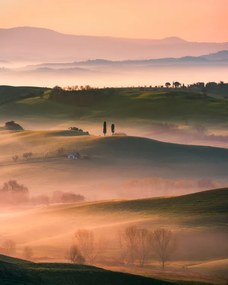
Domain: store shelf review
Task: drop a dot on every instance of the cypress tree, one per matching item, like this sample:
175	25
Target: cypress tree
113	129
104	128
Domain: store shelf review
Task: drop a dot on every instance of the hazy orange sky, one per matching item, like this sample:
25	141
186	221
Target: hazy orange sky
200	20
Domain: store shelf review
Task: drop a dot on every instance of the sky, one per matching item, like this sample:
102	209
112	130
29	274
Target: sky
194	20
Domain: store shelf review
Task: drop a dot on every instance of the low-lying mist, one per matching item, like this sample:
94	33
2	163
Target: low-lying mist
106	76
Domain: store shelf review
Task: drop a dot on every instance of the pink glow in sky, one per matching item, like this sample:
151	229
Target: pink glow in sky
199	20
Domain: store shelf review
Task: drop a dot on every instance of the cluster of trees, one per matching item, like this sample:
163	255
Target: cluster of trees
83	249
76	87
66	197
137	246
13	193
9	247
175	84
26	156
58	197
80	96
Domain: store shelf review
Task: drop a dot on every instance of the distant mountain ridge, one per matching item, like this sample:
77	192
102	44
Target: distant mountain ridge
218	58
39	45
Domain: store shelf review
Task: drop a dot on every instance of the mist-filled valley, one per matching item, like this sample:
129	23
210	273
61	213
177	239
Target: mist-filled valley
105	176
113	142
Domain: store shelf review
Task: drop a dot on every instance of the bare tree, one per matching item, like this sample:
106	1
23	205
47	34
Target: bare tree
143	245
135	245
163	244
128	244
74	255
9	247
60	151
15	158
86	245
27	155
27	252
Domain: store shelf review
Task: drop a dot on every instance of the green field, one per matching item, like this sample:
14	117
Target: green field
174	106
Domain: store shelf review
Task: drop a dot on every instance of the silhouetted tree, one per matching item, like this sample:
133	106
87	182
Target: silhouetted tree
113	129
167	85
128	244
13	193
163	244
27	155
9	247
104	128
143	245
85	244
135	245
176	84
75	256
60	151
27	252
15	158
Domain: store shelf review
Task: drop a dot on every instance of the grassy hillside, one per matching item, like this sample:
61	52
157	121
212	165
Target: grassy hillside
120	104
112	163
67	274
12	94
118	149
204	208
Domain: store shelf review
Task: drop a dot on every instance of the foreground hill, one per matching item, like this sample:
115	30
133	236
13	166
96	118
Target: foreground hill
53	274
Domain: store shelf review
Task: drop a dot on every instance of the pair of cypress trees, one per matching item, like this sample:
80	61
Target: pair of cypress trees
105	128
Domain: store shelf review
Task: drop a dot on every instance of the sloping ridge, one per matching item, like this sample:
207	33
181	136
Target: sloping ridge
67	274
211	202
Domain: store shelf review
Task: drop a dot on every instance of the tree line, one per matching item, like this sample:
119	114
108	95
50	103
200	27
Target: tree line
136	246
13	193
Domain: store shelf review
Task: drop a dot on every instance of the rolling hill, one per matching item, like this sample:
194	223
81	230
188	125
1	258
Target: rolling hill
171	106
206	209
